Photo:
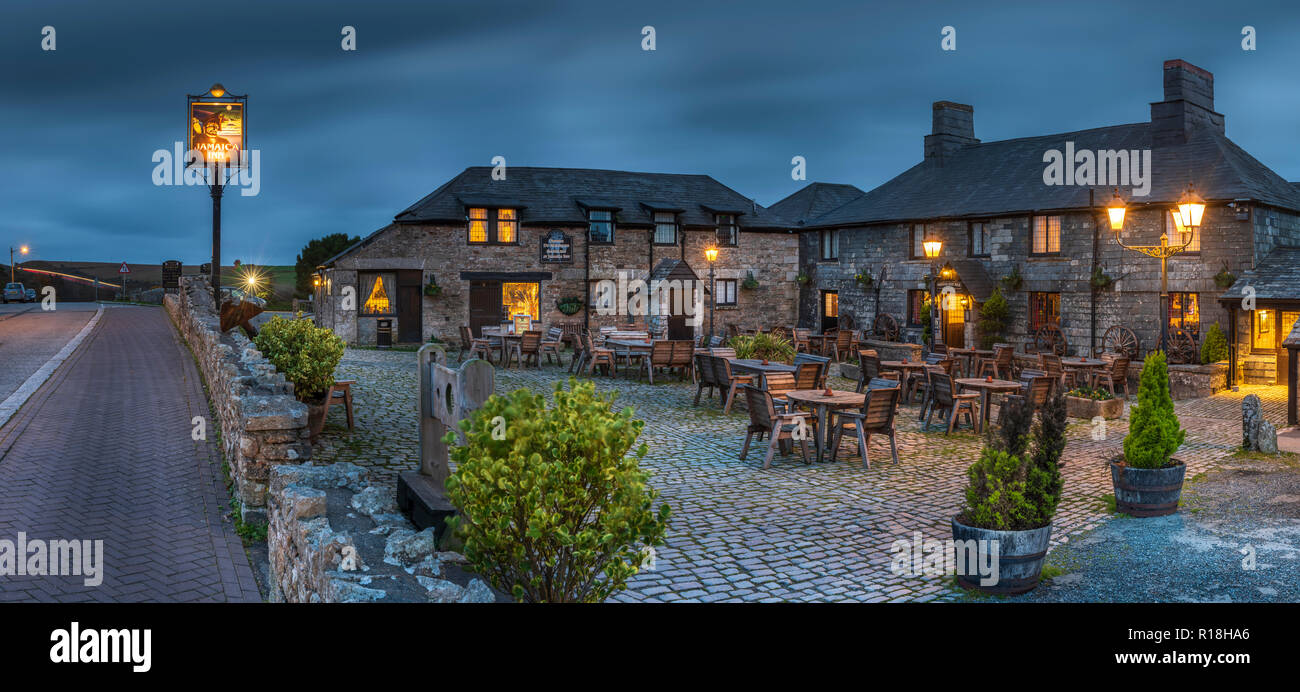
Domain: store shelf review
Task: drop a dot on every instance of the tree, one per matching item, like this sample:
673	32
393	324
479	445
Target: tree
1215	346
1154	433
313	254
994	315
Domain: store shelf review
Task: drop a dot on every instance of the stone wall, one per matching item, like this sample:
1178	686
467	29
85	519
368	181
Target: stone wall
442	252
334	538
261	422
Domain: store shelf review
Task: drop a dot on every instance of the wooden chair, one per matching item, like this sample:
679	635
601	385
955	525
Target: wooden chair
552	343
823	363
593	356
733	330
704	365
828	344
943	397
527	348
1035	388
1114	376
808	375
474	346
800	340
1051	364
726	380
917	380
661	356
683	352
764	420
868	367
999	366
939	348
778	384
843	344
340	392
723	352
876	418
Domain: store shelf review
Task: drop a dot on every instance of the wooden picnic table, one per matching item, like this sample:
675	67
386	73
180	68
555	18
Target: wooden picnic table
985	387
817	399
758	366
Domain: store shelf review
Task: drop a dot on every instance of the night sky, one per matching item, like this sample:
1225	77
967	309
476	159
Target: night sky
734	90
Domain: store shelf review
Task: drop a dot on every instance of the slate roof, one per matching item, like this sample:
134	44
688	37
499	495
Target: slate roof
1004	177
1276	277
974	277
815	199
562	195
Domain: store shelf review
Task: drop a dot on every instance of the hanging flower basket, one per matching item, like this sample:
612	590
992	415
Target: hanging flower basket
432	289
864	279
750	283
569	306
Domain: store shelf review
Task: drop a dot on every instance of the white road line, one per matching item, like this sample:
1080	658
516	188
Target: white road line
10	406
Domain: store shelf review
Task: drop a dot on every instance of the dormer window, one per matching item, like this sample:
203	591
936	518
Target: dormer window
600	226
665	228
728	230
493	226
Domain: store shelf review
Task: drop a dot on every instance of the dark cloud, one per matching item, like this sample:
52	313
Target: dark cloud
735	90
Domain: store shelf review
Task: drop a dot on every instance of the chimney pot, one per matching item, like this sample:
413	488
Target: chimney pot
952	127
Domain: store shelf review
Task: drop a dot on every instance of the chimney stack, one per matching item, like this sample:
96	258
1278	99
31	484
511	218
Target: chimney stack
953	127
1188	105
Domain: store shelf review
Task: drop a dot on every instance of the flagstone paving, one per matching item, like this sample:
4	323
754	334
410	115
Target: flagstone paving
795	532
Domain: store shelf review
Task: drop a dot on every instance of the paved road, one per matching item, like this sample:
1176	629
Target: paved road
30	336
103	451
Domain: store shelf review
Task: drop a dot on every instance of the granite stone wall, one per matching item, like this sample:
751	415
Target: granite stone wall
261	422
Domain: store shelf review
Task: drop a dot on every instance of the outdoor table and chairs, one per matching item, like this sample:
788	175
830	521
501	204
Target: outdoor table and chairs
875	418
986	386
1082	368
628	349
1114	376
817	400
764	419
905	369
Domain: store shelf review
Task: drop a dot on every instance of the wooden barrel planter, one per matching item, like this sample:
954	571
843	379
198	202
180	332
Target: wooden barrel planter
1147	492
1020	557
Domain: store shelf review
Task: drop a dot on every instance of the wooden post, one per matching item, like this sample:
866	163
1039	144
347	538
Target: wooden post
447	396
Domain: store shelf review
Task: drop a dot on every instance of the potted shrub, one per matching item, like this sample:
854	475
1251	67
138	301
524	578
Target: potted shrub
1215	346
558	508
1091	402
306	355
1148	480
764	346
1012	496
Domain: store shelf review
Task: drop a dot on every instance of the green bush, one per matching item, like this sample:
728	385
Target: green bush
1016	486
763	346
553	508
1094	393
994	315
1154	433
926	322
305	354
1215	346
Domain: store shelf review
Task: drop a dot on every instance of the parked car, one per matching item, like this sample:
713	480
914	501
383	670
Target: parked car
16	292
237	294
31	295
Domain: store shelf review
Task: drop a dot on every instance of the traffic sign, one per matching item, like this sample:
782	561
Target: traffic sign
124	270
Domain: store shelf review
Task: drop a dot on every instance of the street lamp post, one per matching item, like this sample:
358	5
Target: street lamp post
932	249
711	254
22	251
1187	218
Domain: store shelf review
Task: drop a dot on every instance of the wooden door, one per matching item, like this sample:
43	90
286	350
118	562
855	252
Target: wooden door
677	327
409	319
484	305
954	330
1286	324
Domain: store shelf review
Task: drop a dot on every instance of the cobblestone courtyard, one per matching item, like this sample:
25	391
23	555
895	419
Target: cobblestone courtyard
794	532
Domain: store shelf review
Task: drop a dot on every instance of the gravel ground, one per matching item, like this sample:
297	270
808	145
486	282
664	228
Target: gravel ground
1248	508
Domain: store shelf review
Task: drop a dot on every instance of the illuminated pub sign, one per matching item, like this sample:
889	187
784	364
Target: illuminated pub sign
216	127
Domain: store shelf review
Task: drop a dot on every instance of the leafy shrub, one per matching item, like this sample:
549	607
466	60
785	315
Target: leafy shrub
1215	346
994	315
763	346
305	354
1094	393
553	511
1016	486
1154	433
927	322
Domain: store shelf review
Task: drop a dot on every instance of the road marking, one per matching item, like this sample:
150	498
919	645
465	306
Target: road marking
15	401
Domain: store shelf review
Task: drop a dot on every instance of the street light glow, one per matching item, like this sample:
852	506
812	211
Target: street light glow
711	254
1116	212
932	248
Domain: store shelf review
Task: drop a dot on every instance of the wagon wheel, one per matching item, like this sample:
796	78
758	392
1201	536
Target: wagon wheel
1122	340
1050	339
885	327
1181	348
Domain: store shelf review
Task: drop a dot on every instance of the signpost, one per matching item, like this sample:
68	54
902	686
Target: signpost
123	271
217	135
171	276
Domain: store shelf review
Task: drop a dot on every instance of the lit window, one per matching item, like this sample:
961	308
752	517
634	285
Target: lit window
521	299
601	225
918	238
726	291
507	226
916	300
1175	238
728	231
665	228
1044	310
378	291
1185	312
478	225
1046	235
831	304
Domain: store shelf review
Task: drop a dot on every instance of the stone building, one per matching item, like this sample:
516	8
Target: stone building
1010	222
480	251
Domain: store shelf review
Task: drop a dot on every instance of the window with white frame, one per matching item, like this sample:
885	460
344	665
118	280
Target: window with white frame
725	291
665	228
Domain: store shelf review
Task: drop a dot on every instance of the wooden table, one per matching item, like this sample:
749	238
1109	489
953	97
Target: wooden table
986	387
820	340
1087	364
756	365
971	356
638	347
817	399
905	370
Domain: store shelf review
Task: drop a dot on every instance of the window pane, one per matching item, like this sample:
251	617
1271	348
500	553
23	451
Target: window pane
832	306
506	231
521	298
1185	312
918	237
1053	234
379	290
478	213
477	231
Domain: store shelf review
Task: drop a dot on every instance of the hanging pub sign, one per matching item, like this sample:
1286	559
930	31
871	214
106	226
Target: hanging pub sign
556	247
216	128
